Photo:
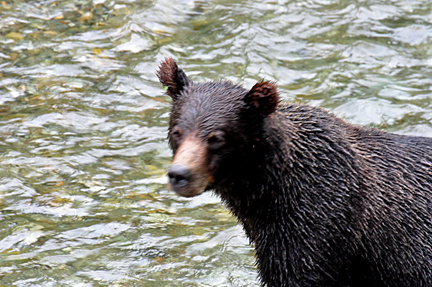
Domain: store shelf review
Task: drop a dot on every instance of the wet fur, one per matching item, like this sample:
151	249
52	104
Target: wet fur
326	203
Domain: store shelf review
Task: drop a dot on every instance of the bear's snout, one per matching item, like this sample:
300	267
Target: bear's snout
179	176
189	174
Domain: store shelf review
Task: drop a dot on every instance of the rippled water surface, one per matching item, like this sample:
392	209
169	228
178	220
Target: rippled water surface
83	151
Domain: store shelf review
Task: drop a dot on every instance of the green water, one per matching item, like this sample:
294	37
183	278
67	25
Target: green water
83	151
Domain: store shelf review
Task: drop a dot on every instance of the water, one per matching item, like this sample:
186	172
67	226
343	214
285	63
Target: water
83	151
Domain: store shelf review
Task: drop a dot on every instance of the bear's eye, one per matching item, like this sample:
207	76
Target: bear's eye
176	132
216	139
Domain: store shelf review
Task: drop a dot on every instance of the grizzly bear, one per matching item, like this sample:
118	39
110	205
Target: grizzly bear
326	202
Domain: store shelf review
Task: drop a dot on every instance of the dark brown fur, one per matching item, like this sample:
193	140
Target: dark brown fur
326	203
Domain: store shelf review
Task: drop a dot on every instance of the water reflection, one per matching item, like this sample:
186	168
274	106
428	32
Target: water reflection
83	150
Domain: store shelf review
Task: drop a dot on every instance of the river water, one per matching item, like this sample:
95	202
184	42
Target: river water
83	121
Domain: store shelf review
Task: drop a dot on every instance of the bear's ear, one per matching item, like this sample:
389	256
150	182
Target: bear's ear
172	77
263	98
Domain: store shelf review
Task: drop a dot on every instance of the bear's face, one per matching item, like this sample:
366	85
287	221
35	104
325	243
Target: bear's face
204	132
209	126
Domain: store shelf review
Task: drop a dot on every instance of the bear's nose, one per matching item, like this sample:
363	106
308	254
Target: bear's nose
179	176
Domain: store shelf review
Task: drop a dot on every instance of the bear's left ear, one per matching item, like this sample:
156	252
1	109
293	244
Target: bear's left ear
263	98
172	77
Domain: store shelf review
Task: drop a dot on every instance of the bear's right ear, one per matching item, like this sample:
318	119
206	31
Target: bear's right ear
263	98
172	77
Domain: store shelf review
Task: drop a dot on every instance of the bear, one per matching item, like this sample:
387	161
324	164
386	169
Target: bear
324	201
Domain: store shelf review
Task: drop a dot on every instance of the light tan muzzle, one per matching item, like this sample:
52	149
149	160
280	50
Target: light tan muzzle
189	174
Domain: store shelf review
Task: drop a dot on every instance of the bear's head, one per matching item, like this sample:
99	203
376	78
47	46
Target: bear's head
211	126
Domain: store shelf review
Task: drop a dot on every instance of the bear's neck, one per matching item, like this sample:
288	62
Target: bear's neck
258	192
280	191
290	161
